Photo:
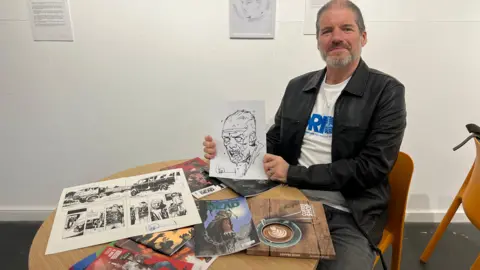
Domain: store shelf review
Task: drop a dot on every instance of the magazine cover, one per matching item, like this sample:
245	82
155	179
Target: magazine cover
114	258
106	211
291	228
248	188
166	242
226	227
186	254
200	183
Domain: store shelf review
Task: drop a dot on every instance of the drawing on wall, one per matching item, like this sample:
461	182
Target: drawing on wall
241	141
252	18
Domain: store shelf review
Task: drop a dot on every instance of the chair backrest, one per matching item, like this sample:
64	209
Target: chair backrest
400	178
471	195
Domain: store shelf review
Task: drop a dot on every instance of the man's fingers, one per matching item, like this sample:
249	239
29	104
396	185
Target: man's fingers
270	164
209	156
209	144
269	157
210	151
208	138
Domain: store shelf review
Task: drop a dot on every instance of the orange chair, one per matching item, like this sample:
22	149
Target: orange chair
468	195
399	178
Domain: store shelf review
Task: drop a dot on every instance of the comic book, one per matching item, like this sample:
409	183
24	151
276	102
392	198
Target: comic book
114	258
166	242
291	228
185	254
200	183
226	227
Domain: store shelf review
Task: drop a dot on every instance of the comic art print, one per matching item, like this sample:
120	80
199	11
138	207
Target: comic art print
97	213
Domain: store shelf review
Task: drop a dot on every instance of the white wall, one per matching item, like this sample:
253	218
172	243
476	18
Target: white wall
136	85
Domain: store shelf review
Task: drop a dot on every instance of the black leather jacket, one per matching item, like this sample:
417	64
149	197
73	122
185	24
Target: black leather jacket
368	128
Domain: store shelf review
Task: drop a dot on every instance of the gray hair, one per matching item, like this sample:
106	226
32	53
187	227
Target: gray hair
342	3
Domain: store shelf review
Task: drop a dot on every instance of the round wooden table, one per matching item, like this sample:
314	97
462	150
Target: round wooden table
38	260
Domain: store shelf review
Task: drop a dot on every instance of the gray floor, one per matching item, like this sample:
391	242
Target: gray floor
457	250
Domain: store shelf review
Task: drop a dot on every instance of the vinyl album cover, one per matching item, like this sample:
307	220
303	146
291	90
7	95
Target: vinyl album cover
166	242
199	182
290	228
226	227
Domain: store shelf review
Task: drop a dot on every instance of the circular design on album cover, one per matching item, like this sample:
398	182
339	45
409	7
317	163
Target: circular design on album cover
278	232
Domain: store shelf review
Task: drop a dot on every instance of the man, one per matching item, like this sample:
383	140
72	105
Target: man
239	135
337	135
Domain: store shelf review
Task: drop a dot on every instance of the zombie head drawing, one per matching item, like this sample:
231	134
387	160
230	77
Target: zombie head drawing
239	136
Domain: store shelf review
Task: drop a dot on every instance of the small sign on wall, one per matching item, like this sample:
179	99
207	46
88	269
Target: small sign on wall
50	20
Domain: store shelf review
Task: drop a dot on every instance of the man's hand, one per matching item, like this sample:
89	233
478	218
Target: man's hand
210	149
275	167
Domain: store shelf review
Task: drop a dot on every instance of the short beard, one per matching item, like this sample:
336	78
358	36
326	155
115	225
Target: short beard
337	62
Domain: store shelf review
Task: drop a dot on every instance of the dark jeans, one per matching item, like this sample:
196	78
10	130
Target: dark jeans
351	248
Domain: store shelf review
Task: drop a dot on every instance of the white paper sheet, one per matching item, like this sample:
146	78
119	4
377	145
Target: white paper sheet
105	211
50	20
252	19
239	134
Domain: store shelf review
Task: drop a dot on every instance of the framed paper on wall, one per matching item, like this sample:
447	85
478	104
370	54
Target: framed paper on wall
252	19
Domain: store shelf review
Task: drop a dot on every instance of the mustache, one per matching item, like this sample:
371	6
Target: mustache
338	45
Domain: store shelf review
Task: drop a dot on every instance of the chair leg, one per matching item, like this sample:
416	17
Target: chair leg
441	229
397	253
476	264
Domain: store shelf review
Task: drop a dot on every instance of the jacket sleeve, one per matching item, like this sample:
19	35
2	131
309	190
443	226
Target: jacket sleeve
273	133
373	162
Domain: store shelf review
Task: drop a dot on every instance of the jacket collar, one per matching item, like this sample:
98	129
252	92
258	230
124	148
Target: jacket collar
355	86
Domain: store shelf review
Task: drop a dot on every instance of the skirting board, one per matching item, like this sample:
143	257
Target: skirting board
26	213
434	216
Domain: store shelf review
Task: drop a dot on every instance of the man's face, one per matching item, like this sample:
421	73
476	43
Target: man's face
339	39
237	144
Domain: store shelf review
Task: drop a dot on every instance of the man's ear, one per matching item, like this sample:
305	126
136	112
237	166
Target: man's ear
363	38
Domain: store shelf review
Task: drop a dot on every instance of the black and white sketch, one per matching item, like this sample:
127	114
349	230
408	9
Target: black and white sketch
252	18
95	193
176	207
114	215
139	211
95	217
74	223
97	213
158	208
241	142
151	184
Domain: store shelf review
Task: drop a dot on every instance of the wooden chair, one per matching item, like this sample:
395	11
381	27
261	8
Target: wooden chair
468	196
399	178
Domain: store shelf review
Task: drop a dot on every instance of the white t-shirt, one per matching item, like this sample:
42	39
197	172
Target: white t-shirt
317	142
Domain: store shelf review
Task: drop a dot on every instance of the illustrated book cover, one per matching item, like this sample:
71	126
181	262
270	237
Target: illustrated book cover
106	211
186	254
167	242
290	228
114	258
200	183
227	227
